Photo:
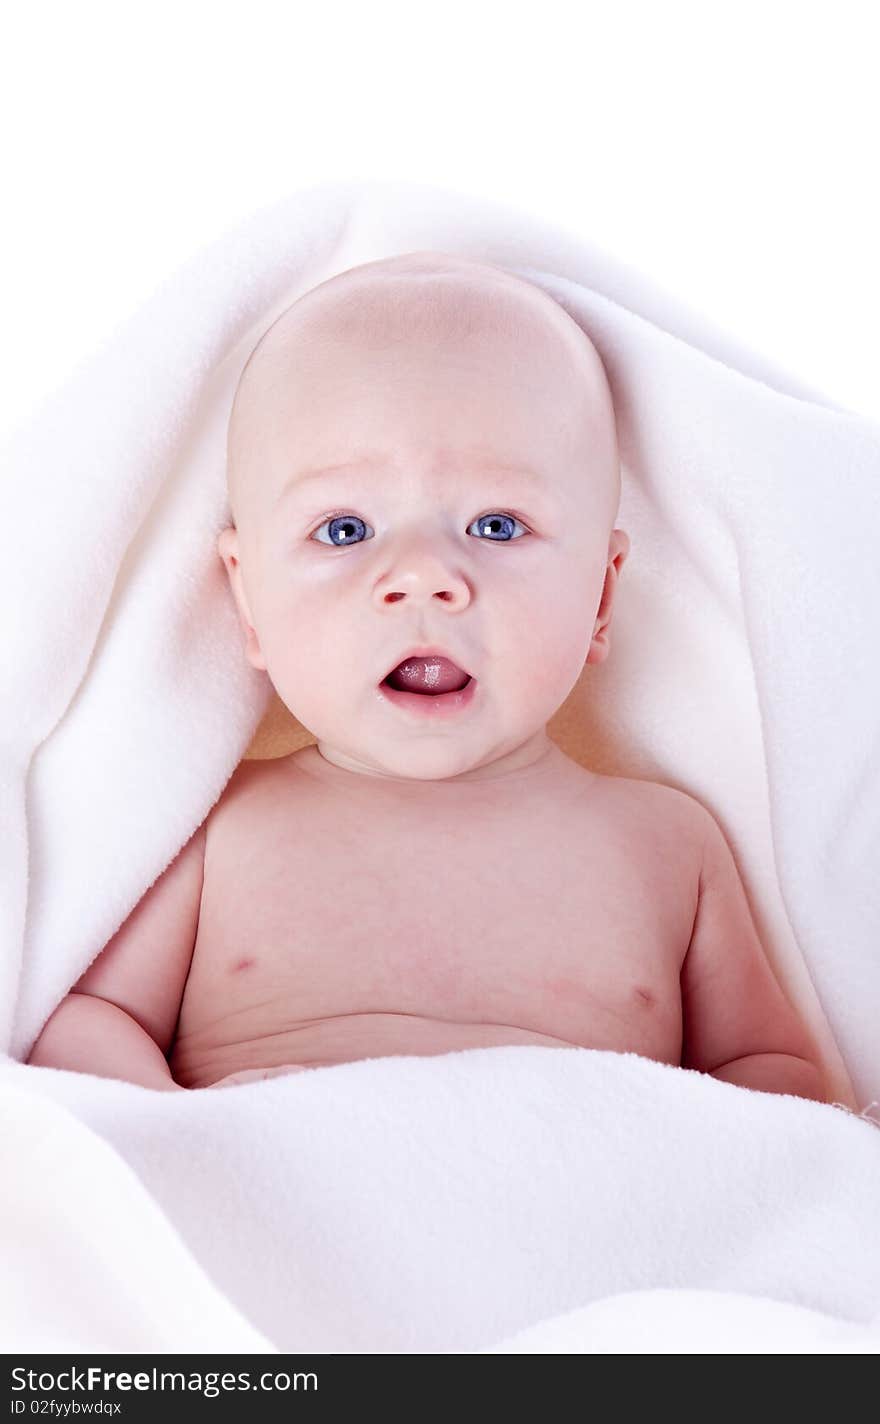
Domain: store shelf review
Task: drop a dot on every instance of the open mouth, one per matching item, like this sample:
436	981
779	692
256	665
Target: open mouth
428	684
431	676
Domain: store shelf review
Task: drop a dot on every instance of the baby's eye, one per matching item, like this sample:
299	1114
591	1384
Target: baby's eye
343	529
499	525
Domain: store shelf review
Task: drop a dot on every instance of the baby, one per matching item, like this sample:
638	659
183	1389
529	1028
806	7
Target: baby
424	480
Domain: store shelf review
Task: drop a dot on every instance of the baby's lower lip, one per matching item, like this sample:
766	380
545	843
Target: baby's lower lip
424	704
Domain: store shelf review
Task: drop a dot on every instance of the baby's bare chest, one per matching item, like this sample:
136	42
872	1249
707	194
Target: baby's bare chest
566	922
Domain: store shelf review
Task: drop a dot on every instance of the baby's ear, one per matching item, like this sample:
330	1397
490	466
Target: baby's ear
227	547
618	548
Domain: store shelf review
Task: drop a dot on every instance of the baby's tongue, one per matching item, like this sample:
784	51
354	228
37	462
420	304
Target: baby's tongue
427	675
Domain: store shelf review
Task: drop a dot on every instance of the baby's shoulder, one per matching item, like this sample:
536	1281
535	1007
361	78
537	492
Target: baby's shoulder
657	809
251	781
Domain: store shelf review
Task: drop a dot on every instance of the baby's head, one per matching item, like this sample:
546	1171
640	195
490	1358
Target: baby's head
422	452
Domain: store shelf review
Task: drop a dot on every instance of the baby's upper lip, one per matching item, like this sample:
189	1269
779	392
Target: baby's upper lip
423	651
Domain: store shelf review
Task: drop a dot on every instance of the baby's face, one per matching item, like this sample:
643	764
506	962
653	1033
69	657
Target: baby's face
412	485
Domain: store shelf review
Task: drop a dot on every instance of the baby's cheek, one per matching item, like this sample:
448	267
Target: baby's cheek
560	653
291	630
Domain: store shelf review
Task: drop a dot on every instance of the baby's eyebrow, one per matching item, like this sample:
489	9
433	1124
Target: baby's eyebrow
358	467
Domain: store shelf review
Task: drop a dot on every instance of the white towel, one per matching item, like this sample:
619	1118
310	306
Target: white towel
741	669
442	1205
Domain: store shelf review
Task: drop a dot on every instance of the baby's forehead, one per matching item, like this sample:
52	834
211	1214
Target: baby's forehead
412	307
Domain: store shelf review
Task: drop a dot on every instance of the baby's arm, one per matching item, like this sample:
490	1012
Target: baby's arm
738	1024
86	1034
118	1021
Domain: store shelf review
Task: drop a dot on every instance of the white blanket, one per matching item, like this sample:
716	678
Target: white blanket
440	1204
446	1203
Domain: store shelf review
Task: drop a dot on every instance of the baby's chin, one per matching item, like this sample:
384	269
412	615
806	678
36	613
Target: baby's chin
414	764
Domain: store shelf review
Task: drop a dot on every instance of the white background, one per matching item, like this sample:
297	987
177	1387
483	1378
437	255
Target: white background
728	150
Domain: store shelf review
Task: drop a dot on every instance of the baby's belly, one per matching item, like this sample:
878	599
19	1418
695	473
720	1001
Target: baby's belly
632	1015
345	1038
